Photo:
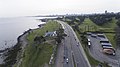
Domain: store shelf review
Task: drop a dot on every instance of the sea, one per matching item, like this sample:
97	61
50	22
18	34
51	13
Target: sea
12	28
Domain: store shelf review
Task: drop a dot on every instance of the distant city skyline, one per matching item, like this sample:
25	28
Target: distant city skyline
14	8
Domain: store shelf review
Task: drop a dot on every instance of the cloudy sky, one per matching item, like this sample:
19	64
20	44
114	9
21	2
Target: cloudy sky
11	8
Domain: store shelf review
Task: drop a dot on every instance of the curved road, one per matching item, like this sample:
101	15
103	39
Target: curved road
73	49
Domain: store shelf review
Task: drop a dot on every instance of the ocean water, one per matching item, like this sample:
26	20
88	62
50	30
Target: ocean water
11	28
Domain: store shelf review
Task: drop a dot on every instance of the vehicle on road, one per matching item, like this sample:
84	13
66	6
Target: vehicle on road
67	60
78	44
64	56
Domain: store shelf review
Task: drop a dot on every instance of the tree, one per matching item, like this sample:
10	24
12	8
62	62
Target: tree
60	35
39	39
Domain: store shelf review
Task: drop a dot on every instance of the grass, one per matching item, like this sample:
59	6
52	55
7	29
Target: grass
38	55
88	25
111	39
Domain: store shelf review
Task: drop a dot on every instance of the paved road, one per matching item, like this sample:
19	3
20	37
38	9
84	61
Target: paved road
72	50
96	52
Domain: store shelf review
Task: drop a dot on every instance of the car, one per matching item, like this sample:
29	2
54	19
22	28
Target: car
101	35
109	51
89	33
107	47
93	35
64	56
78	44
88	40
89	43
106	44
67	60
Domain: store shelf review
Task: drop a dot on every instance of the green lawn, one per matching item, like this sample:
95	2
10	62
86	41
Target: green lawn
38	55
88	25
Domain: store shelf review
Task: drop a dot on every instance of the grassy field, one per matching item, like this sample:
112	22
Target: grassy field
88	25
38	55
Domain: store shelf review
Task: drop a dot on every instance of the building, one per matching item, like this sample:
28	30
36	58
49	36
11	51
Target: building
50	34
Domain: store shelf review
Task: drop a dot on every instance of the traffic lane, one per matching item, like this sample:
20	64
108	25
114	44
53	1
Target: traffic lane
85	58
68	50
77	54
79	58
96	52
65	55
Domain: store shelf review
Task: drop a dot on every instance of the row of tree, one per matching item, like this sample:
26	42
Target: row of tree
100	19
79	19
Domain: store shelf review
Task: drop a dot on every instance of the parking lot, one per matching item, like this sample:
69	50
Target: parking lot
96	51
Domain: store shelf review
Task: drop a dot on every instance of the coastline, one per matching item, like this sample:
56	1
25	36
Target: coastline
17	49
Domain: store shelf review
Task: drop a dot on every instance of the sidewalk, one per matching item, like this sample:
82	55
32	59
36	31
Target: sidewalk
59	57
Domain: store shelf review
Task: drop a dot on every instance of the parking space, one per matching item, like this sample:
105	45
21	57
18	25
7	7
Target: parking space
96	50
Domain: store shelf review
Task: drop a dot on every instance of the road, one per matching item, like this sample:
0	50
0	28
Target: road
72	50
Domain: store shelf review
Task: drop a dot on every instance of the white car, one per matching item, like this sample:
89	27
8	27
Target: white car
67	60
89	43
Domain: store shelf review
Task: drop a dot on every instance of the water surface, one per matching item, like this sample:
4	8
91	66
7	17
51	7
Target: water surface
11	28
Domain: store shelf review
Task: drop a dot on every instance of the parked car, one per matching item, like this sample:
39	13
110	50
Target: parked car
106	44
93	35
109	51
89	33
89	42
107	47
101	35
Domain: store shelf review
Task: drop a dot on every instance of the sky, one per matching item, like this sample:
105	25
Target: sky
14	8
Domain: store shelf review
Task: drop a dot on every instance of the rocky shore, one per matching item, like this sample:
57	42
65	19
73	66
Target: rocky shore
14	54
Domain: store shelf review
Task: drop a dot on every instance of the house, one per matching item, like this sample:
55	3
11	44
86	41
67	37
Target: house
50	34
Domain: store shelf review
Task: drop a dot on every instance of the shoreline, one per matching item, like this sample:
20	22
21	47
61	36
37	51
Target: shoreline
18	48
